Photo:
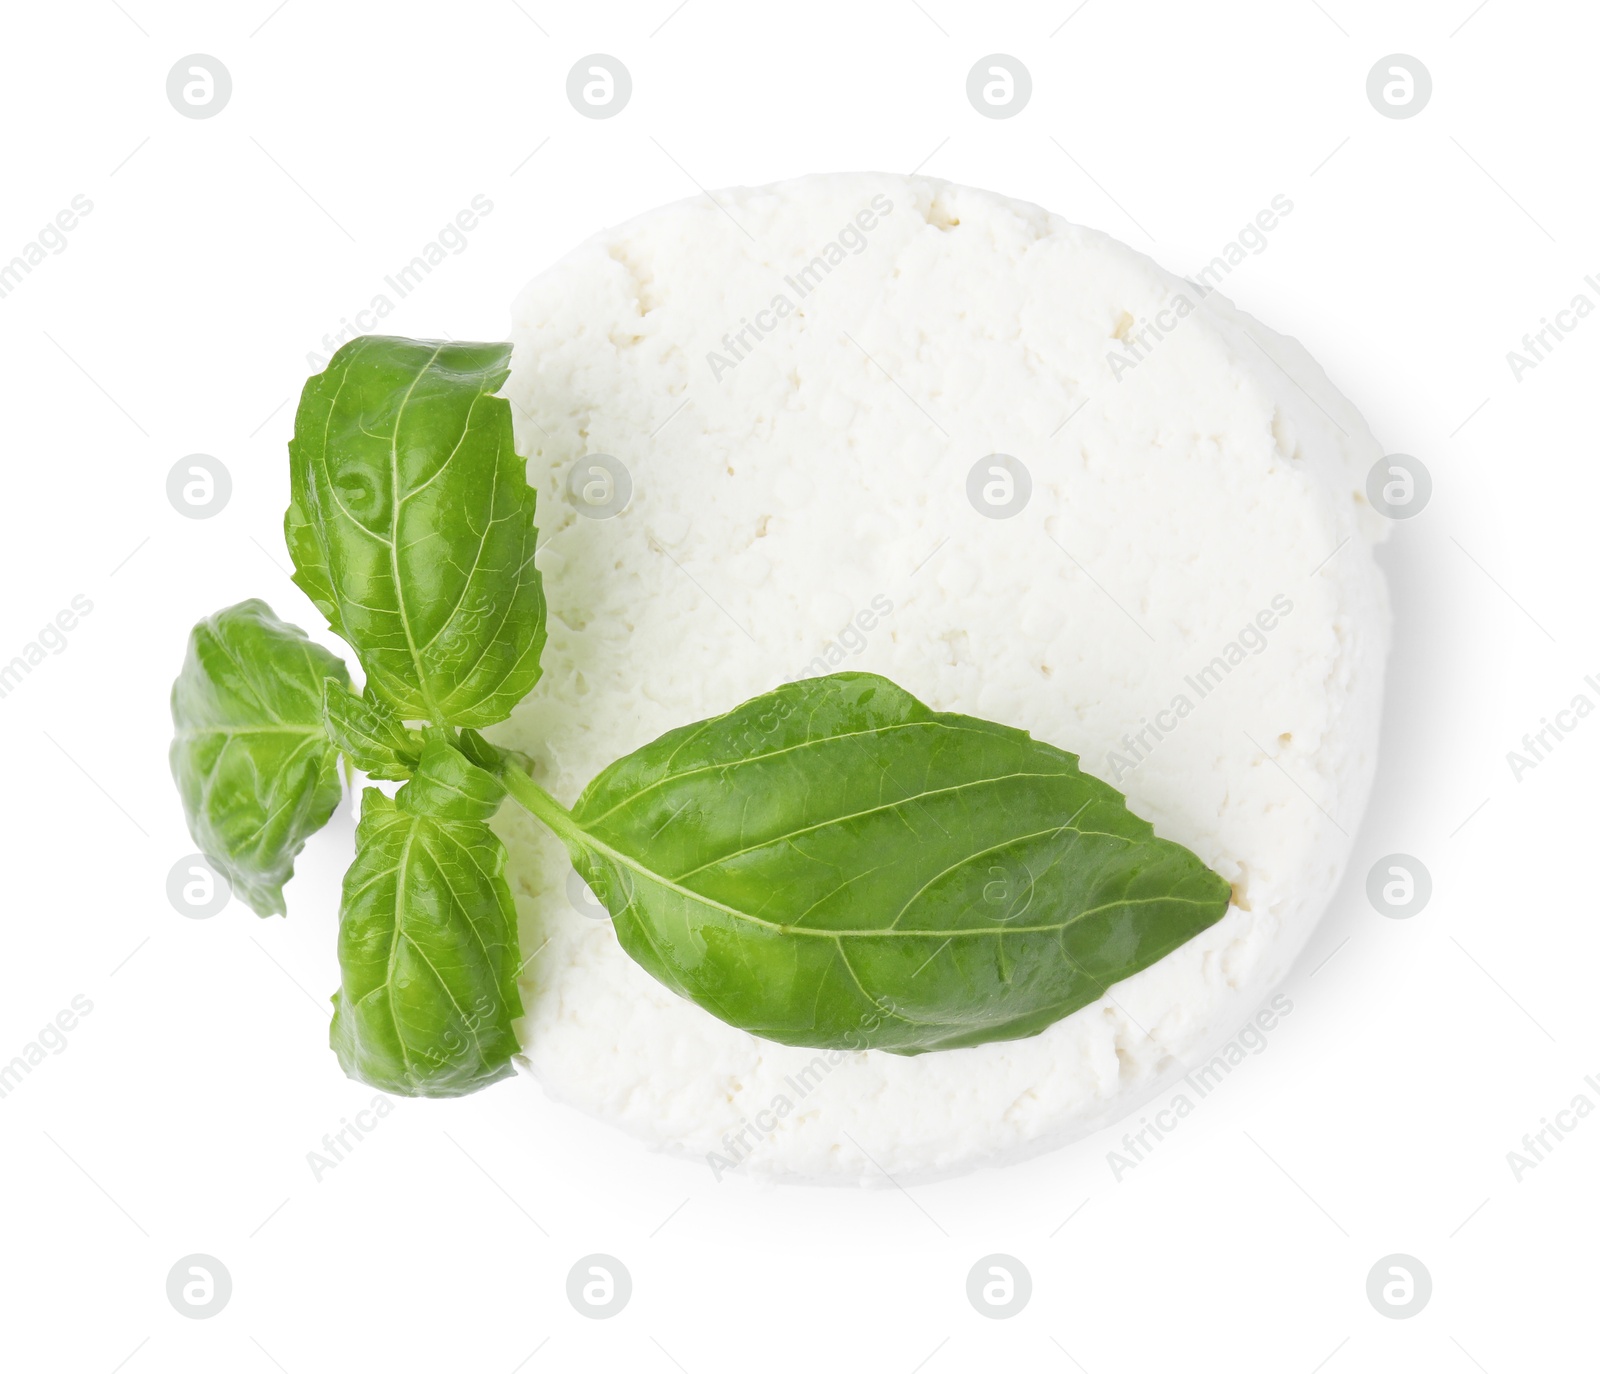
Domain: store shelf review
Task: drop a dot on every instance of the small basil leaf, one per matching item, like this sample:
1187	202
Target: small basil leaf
428	938
835	865
255	769
490	757
411	525
370	733
448	785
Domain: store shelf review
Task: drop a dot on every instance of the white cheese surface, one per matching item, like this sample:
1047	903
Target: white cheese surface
798	380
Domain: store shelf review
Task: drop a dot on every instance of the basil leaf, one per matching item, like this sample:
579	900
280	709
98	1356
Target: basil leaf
835	865
370	733
411	525
428	937
254	767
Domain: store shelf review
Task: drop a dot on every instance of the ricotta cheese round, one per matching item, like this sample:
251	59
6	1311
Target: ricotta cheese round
884	423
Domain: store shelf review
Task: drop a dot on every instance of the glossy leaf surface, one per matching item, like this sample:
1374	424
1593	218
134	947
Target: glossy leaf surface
428	937
411	525
255	769
834	864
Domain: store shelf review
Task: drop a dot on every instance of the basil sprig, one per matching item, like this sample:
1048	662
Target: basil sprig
832	864
411	526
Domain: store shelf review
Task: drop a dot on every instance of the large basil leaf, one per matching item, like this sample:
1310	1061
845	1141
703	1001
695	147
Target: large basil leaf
428	937
254	766
833	864
411	525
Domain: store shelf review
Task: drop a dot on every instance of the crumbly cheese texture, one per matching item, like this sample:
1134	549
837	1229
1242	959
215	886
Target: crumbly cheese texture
799	380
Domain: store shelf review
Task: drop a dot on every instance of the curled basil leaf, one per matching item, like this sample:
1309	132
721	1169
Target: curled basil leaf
411	525
370	733
836	865
255	769
428	937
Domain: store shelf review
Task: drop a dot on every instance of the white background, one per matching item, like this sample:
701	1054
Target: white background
178	320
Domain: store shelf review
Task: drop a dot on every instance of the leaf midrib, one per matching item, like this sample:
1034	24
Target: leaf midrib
395	503
859	815
629	862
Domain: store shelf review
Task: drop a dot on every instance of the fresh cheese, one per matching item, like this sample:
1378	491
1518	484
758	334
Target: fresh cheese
888	424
